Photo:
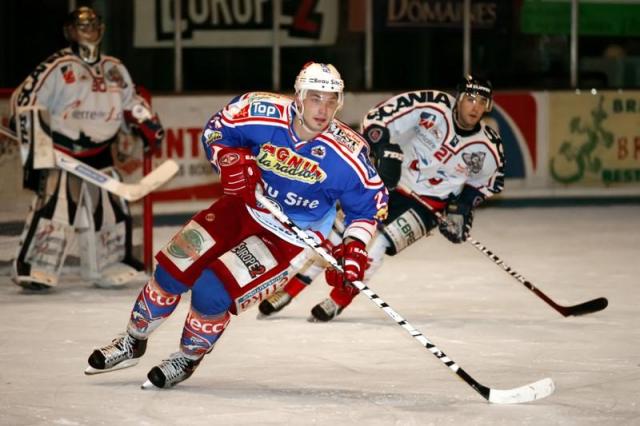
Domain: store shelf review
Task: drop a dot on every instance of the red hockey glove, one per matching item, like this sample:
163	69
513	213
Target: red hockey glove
353	258
239	174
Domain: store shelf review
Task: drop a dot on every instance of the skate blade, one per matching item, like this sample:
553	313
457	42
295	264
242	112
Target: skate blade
90	371
148	385
261	316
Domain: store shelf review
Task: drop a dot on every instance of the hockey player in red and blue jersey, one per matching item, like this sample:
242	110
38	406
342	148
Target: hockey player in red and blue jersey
235	254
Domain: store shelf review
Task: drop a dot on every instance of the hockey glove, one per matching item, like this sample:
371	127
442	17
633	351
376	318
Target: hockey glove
388	162
456	226
353	258
146	125
386	155
151	132
239	174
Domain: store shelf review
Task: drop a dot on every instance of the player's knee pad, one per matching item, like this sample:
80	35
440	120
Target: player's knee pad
201	332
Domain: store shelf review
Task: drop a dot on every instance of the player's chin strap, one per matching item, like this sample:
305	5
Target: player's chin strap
530	392
587	307
129	191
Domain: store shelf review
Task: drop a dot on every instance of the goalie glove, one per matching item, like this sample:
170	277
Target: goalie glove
146	126
353	258
456	225
239	174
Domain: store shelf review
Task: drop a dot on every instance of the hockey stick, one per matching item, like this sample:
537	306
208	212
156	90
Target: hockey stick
128	191
537	390
587	307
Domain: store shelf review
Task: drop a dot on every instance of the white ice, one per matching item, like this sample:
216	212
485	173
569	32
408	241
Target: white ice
363	369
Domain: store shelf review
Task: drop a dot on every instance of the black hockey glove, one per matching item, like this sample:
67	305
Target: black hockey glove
386	155
456	226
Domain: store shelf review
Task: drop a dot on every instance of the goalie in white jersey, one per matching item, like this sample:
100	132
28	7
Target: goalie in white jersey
77	101
426	143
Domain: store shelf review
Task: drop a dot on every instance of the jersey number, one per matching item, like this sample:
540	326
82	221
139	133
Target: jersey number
442	155
98	85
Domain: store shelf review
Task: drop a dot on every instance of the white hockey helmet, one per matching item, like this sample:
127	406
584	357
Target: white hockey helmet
321	77
84	29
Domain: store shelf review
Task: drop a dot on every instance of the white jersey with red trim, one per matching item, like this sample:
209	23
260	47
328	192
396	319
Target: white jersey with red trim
439	158
85	102
305	177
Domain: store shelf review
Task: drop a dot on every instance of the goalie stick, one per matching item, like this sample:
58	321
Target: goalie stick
584	308
532	391
129	191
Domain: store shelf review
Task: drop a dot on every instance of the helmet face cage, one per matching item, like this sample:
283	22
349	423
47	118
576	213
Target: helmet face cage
320	77
78	29
476	87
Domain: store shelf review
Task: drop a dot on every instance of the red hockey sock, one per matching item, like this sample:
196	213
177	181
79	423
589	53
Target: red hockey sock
294	286
341	297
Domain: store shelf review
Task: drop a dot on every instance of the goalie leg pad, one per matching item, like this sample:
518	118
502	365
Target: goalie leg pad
46	237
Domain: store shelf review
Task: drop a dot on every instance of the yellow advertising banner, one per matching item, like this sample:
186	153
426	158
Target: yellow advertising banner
594	139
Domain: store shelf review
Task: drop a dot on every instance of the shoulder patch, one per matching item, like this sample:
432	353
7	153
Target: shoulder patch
266	109
346	137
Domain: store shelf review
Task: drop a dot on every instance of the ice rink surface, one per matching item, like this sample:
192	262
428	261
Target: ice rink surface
363	369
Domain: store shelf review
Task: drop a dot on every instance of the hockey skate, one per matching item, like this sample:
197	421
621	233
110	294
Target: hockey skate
124	351
325	311
171	371
274	303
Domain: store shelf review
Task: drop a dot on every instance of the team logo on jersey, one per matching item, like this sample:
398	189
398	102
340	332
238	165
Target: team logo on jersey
67	74
319	151
212	136
113	75
253	265
427	120
407	101
474	161
266	109
288	164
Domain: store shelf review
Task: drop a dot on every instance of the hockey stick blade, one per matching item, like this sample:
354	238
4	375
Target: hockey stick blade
588	307
531	392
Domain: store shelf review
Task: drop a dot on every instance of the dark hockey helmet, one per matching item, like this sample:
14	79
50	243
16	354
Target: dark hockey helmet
84	29
478	89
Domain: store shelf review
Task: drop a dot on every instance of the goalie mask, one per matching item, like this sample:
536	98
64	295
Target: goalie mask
84	29
319	77
478	90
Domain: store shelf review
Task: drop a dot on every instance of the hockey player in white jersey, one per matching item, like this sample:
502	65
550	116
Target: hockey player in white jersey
77	101
424	142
